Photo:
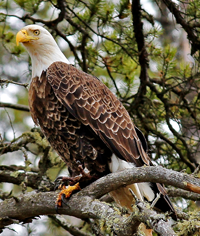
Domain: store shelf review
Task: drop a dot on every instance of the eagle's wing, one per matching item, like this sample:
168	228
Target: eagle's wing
91	102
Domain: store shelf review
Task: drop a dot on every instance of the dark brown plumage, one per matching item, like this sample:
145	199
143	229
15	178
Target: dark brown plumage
85	123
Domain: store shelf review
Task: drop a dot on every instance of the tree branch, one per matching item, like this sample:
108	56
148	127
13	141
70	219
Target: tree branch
139	36
155	221
68	227
175	133
27	137
156	174
4	81
15	106
33	204
30	179
186	26
183	194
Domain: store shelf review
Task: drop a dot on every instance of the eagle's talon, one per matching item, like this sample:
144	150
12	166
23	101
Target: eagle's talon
67	180
58	182
56	208
66	192
63	199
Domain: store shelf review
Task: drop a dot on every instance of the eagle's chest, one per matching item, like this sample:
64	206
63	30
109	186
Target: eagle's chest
74	142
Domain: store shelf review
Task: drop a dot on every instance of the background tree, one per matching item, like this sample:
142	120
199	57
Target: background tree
147	53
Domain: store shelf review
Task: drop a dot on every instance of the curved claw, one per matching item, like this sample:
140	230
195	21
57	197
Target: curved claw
56	208
66	193
58	182
63	198
66	180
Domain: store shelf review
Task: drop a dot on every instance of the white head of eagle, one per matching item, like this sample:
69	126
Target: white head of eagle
41	47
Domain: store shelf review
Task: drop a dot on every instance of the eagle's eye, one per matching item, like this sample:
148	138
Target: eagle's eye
36	32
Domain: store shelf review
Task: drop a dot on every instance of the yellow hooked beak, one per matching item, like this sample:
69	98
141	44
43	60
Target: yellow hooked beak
23	37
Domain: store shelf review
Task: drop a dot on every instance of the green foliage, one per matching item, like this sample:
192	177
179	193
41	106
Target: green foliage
30	6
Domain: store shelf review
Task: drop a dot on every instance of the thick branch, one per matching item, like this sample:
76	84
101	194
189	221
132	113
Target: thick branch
34	204
155	174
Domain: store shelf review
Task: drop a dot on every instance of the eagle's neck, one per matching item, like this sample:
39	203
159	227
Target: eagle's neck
42	56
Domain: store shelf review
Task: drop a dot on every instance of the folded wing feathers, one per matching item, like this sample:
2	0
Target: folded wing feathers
94	104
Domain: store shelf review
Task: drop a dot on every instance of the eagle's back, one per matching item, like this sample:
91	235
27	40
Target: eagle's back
95	106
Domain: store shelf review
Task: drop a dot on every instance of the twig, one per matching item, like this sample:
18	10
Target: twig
15	106
4	81
167	110
183	194
68	227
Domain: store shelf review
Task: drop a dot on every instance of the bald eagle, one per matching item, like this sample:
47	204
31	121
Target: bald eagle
83	120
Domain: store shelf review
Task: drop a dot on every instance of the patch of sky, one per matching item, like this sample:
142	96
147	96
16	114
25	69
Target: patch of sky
37	227
175	125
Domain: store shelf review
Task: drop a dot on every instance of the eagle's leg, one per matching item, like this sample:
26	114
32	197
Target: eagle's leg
66	180
83	177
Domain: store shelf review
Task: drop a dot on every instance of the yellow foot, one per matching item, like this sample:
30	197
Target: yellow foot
143	229
67	191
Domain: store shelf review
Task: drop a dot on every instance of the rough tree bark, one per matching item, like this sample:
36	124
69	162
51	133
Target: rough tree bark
85	204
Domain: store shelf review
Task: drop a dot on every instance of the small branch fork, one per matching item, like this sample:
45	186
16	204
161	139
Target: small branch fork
9	105
157	222
4	81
